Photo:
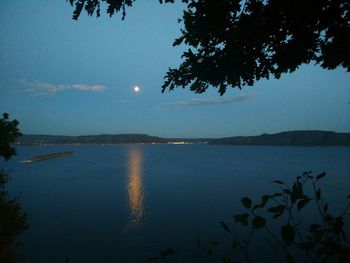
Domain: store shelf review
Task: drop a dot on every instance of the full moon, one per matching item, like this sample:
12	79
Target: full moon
136	89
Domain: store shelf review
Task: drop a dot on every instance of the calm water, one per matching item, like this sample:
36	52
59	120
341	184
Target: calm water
124	203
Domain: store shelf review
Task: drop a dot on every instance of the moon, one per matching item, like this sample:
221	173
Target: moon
136	89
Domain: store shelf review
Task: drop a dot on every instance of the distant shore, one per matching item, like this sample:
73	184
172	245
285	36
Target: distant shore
288	138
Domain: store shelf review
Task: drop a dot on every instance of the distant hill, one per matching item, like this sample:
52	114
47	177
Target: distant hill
90	139
290	138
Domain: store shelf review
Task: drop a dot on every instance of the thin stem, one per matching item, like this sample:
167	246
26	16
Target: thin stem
242	249
268	230
318	205
249	238
345	209
276	201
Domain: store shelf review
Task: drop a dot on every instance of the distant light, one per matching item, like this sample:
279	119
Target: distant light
136	89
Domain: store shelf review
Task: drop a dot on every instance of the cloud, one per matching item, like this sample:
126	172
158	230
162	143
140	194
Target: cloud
37	88
206	102
83	87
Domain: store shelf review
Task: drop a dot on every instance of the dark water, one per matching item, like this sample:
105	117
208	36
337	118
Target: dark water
124	203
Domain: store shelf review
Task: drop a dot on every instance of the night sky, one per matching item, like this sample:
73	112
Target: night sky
65	77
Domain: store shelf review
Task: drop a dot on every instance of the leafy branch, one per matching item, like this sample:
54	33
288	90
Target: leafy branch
320	242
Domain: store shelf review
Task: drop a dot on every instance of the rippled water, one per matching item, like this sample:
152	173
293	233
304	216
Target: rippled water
124	203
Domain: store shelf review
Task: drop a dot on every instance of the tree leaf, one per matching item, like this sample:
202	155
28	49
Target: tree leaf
242	219
307	175
224	226
302	203
320	175
288	234
318	194
246	202
297	191
277	215
264	200
279	182
258	222
277	209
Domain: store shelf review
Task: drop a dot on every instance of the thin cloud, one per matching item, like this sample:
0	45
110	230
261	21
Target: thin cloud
97	88
206	102
37	88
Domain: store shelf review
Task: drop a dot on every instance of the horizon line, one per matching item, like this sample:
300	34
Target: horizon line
180	137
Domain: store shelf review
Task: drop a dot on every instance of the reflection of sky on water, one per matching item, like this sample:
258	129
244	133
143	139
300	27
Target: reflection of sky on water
134	185
103	203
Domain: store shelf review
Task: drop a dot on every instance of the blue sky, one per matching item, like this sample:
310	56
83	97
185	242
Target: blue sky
60	76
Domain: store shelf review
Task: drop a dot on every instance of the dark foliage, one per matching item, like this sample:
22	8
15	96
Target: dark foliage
113	6
234	43
321	241
8	134
13	221
293	238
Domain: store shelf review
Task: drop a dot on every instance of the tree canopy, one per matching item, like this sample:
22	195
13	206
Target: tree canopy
8	134
13	221
234	43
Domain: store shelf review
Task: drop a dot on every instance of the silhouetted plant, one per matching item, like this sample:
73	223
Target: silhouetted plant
320	241
13	221
8	134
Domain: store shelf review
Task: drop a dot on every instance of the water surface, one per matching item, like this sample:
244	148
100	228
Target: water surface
124	203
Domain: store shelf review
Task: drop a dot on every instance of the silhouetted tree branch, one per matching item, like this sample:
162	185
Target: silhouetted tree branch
13	221
233	43
8	134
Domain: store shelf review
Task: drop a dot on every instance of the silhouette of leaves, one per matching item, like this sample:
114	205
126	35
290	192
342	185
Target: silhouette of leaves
236	43
225	227
258	222
13	221
321	175
303	202
8	134
242	219
288	234
246	202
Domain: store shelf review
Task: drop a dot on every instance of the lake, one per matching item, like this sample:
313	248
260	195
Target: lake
125	203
